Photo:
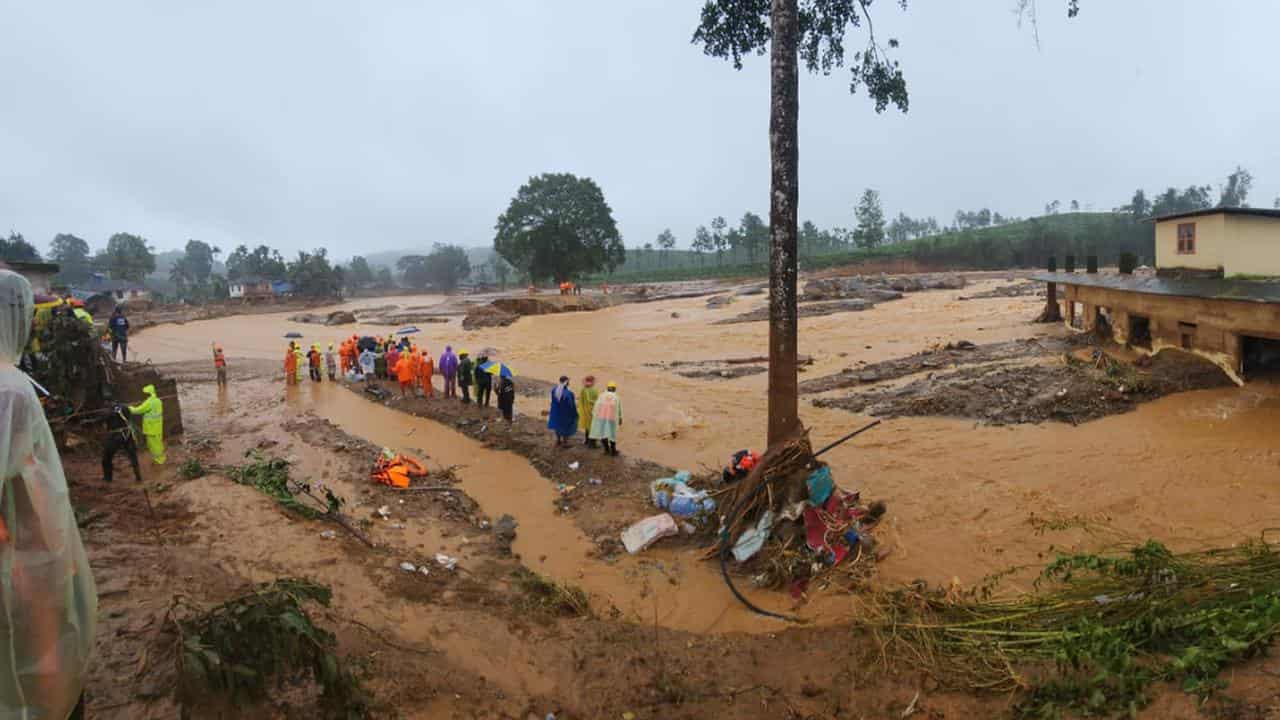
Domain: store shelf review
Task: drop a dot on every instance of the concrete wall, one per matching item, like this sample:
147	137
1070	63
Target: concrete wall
1253	246
1218	324
1211	239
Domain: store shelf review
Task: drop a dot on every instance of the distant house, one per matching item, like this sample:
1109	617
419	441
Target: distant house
39	274
251	287
102	293
1216	292
281	287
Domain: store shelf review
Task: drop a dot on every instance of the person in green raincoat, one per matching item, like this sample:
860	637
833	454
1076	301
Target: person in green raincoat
152	411
607	417
587	407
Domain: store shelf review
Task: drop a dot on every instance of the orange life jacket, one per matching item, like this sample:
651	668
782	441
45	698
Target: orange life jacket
397	471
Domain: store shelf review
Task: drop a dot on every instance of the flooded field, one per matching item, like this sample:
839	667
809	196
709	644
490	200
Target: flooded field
662	636
1190	468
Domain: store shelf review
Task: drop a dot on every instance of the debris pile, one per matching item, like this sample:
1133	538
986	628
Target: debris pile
788	524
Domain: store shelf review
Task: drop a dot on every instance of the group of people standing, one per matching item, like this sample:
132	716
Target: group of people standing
597	414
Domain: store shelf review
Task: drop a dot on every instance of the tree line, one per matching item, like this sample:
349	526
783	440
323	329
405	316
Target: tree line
194	275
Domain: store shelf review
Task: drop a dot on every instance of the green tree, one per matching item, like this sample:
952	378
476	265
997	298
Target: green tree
360	273
385	279
17	249
753	235
446	266
666	241
814	32
703	243
1235	192
870	216
1139	206
313	276
809	240
127	257
719	238
413	268
559	226
72	255
261	261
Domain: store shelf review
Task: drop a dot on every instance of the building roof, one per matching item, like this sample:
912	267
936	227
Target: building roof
21	266
1207	288
1257	212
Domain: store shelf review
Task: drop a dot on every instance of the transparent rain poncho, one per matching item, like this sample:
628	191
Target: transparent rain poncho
48	603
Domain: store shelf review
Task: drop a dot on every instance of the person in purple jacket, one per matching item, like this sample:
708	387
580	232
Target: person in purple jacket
448	367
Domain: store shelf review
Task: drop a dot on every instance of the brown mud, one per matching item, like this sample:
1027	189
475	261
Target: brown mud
953	354
1070	390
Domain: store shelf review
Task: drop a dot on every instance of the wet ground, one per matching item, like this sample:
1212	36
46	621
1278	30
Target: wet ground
1189	469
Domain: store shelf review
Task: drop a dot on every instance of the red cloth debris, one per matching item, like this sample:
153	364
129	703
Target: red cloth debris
824	527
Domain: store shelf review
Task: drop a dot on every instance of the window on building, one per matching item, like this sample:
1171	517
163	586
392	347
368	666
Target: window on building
1186	238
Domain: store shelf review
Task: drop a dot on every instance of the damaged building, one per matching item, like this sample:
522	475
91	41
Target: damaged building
1215	292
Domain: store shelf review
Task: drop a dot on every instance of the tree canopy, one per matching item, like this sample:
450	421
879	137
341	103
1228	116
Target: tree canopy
446	266
360	274
870	215
16	248
559	226
127	257
72	255
313	276
261	261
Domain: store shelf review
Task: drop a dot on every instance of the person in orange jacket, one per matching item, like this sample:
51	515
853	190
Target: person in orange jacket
290	365
426	368
406	373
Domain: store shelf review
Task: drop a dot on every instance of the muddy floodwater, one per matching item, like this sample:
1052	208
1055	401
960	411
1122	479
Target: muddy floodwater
1190	469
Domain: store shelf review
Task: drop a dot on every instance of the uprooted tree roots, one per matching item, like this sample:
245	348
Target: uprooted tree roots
238	649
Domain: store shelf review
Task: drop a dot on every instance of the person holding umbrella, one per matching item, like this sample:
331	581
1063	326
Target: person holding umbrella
562	419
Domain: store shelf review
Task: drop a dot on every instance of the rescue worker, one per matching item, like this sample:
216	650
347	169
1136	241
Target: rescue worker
607	418
562	418
330	364
119	326
300	364
290	365
426	368
120	438
405	373
465	376
152	411
586	407
449	369
507	398
393	359
48	603
220	365
484	382
313	362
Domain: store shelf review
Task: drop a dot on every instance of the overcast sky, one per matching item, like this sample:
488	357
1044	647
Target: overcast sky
385	125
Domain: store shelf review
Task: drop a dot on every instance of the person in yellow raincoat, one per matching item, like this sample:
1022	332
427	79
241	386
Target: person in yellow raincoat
587	407
300	363
152	411
48	603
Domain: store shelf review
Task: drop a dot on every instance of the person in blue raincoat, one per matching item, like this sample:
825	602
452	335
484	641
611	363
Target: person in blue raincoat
563	417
